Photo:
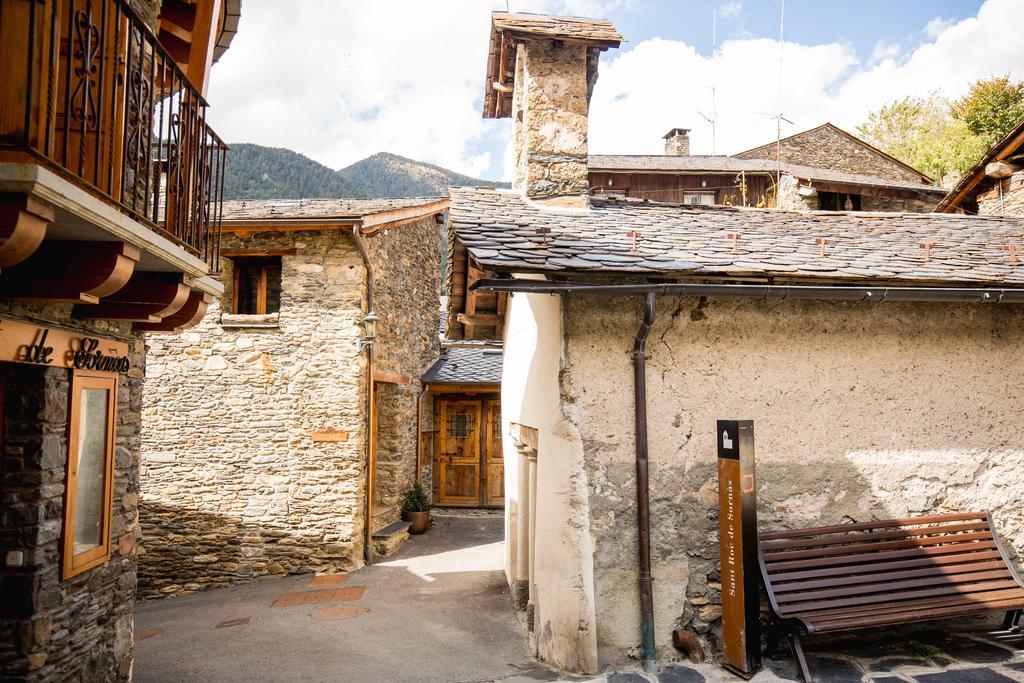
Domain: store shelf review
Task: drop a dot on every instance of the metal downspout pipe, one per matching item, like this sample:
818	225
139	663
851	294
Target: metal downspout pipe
368	502
643	498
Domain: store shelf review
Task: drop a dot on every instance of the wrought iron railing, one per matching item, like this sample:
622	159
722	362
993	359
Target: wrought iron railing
86	87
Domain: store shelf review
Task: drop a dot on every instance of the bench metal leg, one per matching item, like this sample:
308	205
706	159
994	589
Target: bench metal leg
798	657
1011	620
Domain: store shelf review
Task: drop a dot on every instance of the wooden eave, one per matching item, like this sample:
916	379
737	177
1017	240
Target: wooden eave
369	224
471	315
1011	145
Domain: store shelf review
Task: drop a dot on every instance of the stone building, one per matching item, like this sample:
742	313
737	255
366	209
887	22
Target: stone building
994	185
870	350
91	261
261	438
822	169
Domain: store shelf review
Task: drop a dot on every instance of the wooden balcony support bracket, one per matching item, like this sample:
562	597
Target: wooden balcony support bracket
70	272
148	297
184	318
23	221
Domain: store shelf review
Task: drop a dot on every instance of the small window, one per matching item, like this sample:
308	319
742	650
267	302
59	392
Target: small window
699	198
838	201
90	471
460	425
257	286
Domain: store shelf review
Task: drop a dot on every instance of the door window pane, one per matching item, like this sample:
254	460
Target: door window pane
92	469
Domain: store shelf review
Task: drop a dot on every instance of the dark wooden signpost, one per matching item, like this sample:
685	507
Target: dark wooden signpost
741	632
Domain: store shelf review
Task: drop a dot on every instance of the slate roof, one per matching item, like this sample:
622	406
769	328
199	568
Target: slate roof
466	365
500	229
717	164
255	209
600	32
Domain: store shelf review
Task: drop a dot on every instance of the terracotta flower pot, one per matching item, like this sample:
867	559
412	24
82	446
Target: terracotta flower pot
420	522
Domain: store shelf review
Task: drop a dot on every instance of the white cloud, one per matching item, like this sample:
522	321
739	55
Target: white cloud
344	79
730	9
662	83
935	27
883	51
341	80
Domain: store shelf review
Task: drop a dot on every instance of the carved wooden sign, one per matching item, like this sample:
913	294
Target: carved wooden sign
741	633
36	345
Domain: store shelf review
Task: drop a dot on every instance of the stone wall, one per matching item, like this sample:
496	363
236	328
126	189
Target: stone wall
1011	203
550	105
860	411
79	629
870	200
825	147
235	483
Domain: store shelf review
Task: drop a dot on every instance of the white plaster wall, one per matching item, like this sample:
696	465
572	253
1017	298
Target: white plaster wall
530	396
860	411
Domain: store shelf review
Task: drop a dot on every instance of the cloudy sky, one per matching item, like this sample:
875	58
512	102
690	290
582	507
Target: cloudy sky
338	80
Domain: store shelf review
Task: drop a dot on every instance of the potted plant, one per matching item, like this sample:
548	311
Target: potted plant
416	508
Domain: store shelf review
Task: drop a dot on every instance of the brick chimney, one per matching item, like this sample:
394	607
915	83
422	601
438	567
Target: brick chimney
677	142
541	72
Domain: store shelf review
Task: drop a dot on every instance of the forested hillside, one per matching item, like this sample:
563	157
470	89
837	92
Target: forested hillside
256	172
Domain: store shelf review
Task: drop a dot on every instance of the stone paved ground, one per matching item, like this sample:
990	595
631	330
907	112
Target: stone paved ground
439	611
952	651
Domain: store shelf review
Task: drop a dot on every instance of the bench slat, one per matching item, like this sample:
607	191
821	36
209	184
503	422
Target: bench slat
877	567
783	587
915	612
931	603
951	549
841	539
889	587
826	605
879	524
884	545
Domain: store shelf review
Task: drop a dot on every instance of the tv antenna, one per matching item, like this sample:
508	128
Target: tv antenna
778	117
713	119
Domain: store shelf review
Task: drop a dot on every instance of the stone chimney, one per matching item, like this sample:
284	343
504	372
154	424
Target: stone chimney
541	73
677	142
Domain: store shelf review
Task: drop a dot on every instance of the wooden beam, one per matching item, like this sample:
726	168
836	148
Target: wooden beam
23	221
187	316
488	319
249	253
204	40
374	223
148	297
70	272
390	377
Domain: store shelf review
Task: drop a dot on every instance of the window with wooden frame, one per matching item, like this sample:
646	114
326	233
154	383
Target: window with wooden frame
257	285
90	471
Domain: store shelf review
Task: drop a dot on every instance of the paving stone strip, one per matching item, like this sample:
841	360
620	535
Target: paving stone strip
319	597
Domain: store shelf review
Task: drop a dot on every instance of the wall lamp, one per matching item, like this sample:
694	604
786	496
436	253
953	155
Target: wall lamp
370	321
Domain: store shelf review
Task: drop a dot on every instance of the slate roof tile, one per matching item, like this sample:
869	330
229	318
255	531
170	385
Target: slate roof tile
683	240
462	365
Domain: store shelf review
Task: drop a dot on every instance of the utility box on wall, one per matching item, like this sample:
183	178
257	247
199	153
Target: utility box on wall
737	500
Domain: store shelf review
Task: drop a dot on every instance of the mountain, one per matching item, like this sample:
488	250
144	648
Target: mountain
390	175
256	172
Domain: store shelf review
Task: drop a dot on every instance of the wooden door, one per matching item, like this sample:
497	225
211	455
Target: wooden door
457	463
494	463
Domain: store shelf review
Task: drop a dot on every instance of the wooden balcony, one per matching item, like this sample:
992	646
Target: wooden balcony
103	143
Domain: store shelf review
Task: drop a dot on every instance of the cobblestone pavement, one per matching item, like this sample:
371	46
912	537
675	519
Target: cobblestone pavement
953	651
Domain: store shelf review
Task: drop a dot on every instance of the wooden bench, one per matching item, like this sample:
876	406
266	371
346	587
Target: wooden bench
871	574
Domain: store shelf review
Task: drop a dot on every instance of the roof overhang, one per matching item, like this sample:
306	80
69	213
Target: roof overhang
369	224
1012	143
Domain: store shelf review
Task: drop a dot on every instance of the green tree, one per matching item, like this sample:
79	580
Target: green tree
992	107
922	132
